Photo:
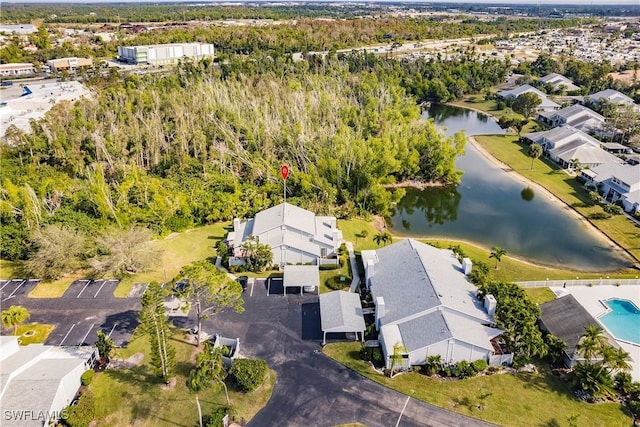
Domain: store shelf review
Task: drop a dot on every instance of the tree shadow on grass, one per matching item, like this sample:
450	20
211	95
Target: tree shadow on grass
464	401
551	423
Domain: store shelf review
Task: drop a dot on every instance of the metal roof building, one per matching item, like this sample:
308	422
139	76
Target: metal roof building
341	312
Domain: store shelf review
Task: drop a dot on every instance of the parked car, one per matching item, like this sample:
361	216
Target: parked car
243	280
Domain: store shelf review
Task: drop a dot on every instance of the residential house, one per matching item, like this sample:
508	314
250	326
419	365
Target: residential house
566	319
295	235
546	103
559	82
577	116
617	182
38	381
425	305
610	95
566	144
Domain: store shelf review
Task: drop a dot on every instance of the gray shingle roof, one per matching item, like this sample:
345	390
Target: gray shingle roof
284	214
400	278
424	331
566	319
341	311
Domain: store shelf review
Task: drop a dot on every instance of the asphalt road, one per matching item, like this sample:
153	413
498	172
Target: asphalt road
313	390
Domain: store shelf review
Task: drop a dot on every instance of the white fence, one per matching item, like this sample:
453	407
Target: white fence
501	359
578	282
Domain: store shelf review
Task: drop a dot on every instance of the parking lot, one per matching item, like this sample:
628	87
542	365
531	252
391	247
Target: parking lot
312	389
86	307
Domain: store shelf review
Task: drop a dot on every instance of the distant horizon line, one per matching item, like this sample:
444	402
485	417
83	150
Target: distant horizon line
513	3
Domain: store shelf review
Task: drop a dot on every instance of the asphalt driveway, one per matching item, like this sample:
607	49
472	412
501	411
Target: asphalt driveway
313	390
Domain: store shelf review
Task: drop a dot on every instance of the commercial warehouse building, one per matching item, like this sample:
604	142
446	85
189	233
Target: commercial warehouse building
22	69
70	64
164	54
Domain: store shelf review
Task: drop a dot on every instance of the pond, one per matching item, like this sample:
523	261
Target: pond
491	208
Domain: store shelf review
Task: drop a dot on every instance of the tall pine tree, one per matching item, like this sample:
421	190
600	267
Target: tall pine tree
154	323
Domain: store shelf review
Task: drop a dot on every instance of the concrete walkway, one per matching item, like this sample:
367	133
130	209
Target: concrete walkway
354	267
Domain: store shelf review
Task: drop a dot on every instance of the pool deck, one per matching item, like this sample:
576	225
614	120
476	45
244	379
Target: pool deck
590	298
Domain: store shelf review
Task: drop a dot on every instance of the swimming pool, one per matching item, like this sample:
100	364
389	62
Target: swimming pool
623	321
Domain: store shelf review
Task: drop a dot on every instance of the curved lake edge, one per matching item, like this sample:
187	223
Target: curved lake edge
583	222
591	228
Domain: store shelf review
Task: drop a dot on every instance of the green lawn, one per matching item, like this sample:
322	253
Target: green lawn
510	400
477	102
8	269
352	232
540	295
565	187
178	250
515	270
33	333
134	396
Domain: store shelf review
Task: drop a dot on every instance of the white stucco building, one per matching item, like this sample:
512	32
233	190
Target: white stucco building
295	235
164	54
38	381
425	303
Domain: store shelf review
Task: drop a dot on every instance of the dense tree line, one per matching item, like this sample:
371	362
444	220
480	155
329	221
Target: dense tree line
303	35
205	144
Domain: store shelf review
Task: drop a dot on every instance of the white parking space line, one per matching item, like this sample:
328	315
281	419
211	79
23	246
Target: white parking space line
17	287
68	332
403	408
103	283
85	286
4	283
114	326
253	282
87	334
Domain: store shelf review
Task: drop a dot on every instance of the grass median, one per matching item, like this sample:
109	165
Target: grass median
135	397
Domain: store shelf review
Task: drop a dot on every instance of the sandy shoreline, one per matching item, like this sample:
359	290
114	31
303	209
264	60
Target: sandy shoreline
595	231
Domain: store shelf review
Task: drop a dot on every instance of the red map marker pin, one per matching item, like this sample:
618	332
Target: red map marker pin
284	171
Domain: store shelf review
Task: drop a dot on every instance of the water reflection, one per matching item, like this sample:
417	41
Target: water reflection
491	208
527	194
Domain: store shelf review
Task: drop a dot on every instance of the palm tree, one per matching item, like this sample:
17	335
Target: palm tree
592	342
14	316
535	151
574	164
396	358
497	252
382	238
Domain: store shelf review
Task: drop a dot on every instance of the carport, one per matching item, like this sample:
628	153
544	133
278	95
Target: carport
301	276
341	312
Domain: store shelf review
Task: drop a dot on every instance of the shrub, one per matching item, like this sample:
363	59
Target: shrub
82	414
336	284
599	215
329	267
248	373
463	369
612	209
87	377
500	105
479	365
215	419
